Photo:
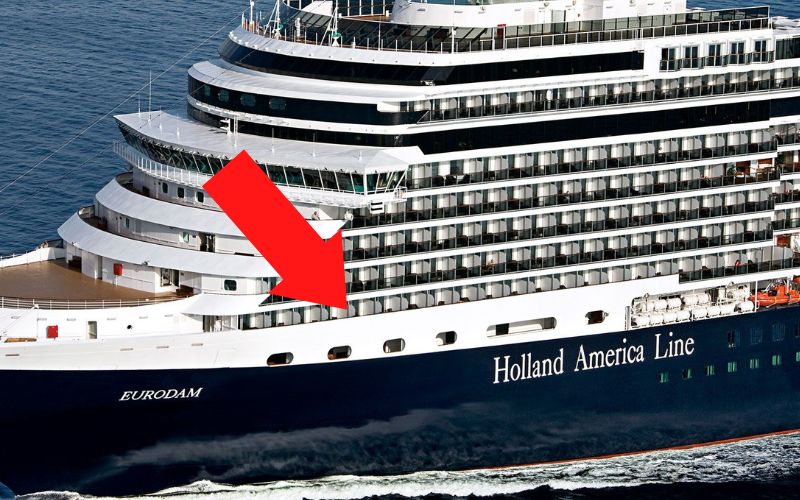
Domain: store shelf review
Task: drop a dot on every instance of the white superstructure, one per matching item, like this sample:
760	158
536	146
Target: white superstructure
502	172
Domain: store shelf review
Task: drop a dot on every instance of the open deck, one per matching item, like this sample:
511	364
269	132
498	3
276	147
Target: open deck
53	285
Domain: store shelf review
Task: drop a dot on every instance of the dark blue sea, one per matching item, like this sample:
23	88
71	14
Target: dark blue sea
67	65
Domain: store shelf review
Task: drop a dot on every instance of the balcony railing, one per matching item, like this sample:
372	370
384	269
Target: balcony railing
554	230
541	105
312	28
717	61
564	167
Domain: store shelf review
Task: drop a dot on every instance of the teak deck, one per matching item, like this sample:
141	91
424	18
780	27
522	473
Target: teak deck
53	280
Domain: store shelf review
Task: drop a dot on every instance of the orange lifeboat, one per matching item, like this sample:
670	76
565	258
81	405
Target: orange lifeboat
777	294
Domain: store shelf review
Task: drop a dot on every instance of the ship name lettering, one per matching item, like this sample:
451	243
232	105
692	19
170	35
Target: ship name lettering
674	347
527	368
185	393
612	357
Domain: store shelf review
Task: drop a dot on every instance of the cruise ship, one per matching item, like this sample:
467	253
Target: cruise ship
570	229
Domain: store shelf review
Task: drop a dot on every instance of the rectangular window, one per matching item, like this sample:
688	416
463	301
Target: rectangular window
760	51
691	57
778	332
200	196
776	360
669	60
686	374
663	377
733	367
797	356
185	237
736	55
127	223
733	338
534	325
230	285
755	363
181	192
709	370
714	55
756	335
164	187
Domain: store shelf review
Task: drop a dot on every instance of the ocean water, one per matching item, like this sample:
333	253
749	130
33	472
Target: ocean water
67	66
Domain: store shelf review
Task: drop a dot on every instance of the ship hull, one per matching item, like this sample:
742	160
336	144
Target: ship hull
126	432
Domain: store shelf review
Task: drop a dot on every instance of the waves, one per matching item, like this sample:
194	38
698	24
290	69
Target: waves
761	468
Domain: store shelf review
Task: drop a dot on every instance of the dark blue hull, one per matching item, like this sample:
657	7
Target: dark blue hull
82	431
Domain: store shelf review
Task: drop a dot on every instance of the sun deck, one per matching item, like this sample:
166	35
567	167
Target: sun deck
52	284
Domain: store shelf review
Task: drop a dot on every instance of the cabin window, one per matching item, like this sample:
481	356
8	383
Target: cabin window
224	95
181	192
200	197
709	370
776	360
714	55
686	374
446	338
534	325
277	104
127	223
394	345
733	338
281	358
248	100
755	363
733	366
756	335
663	377
778	332
229	285
185	237
340	352
164	187
596	317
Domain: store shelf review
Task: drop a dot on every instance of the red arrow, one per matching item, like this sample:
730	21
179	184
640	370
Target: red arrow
312	268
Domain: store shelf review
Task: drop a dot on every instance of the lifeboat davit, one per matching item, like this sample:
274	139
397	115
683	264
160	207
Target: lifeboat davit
776	295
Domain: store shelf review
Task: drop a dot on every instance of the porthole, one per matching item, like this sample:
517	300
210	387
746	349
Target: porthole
394	345
446	338
281	358
596	317
340	352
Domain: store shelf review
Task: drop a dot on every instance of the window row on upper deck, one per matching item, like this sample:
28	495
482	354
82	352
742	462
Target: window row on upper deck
588	159
716	54
398	74
312	28
341	181
496	103
587	96
498	136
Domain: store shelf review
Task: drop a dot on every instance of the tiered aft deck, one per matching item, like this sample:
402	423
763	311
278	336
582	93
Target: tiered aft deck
54	285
